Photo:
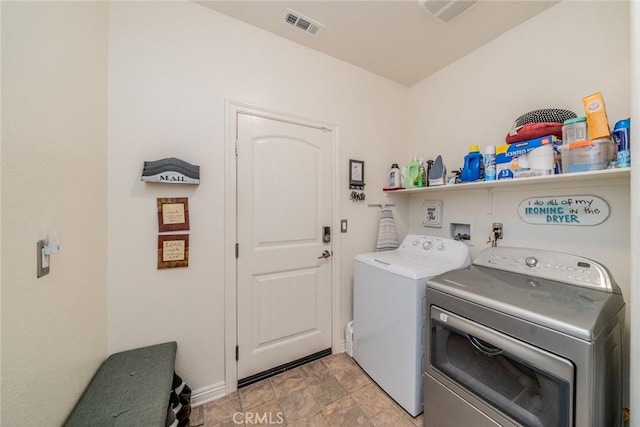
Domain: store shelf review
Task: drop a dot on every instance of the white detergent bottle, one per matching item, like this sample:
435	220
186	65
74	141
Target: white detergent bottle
394	177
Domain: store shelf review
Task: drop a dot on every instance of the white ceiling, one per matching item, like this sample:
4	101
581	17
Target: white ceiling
396	39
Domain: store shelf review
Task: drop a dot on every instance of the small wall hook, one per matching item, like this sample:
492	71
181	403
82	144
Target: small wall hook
357	196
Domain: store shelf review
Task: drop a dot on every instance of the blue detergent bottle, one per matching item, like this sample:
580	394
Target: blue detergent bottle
473	169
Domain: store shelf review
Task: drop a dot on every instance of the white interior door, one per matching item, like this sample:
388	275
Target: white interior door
283	203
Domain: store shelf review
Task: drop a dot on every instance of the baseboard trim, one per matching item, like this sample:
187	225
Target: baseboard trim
207	394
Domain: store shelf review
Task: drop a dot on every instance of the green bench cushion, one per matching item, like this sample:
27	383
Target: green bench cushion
131	388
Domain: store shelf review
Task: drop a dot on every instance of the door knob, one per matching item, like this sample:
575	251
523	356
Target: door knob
325	254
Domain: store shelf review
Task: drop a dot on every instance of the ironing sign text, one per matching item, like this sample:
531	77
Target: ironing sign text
564	210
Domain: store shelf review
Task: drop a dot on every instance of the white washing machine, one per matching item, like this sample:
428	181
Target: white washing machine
389	312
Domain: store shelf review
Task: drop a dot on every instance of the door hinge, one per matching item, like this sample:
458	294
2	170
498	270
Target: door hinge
237	250
237	353
237	144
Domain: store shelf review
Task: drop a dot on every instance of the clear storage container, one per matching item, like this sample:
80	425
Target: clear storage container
584	156
574	130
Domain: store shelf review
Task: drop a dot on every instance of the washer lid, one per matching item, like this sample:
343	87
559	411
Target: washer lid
412	266
575	310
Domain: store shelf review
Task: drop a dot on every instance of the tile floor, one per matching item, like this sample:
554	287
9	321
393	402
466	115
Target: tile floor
333	391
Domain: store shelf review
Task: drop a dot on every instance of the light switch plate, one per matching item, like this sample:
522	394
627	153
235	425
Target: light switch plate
343	226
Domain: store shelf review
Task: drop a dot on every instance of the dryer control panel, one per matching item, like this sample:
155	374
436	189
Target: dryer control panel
557	266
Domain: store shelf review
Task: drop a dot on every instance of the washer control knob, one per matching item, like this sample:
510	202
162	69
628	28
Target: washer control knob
441	247
427	245
531	261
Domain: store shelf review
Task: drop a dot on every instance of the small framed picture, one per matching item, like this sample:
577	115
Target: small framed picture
173	214
173	250
356	173
432	214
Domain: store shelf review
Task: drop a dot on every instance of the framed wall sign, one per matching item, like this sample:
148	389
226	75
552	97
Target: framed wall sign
356	174
173	250
173	214
432	214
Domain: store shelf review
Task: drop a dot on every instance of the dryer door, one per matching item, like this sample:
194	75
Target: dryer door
524	383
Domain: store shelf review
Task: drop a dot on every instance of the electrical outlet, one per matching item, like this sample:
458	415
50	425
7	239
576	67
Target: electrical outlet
497	230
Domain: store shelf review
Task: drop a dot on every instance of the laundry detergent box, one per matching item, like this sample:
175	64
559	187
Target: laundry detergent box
533	157
596	112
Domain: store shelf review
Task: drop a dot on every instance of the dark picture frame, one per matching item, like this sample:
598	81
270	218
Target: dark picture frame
356	173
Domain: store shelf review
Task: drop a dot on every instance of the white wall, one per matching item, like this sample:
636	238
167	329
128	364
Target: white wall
172	67
54	133
552	60
476	99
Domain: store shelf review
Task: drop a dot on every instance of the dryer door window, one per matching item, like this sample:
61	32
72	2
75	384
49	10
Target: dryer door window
525	383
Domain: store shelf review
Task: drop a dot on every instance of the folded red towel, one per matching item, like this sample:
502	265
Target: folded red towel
534	130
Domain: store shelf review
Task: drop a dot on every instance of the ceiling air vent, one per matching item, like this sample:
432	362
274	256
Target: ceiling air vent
447	10
302	23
